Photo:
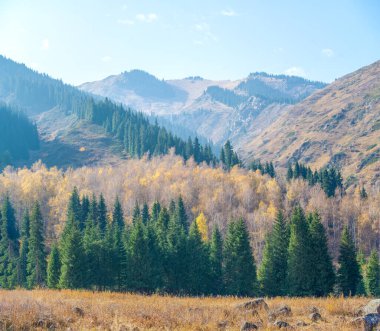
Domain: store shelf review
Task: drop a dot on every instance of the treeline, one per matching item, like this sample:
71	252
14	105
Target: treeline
17	136
265	169
138	136
330	179
226	96
37	93
160	250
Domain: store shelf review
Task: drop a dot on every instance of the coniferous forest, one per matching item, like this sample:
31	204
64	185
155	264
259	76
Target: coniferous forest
160	250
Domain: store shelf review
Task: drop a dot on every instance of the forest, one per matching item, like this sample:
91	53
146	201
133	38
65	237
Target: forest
165	209
17	136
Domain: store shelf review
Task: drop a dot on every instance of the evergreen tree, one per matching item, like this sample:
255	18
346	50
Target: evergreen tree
53	267
239	266
36	253
348	275
136	213
323	270
9	246
273	270
372	276
156	208
74	208
118	215
102	216
180	214
216	262
199	263
22	262
72	256
145	214
300	268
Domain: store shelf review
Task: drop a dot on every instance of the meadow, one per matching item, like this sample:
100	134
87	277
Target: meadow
86	310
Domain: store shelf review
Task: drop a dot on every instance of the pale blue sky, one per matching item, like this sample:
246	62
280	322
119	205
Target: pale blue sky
85	40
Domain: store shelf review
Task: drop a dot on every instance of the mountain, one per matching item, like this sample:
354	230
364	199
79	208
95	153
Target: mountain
80	129
338	125
218	110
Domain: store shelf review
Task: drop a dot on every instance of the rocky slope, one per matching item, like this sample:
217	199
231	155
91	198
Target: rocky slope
338	125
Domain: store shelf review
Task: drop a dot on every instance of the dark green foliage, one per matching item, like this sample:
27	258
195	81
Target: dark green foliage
348	275
300	266
74	209
323	271
9	246
36	253
216	262
330	179
17	136
72	256
118	215
372	275
273	269
180	214
22	261
228	157
363	193
102	214
53	267
198	263
145	214
266	169
239	269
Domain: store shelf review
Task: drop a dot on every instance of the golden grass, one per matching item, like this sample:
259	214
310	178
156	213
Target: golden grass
83	310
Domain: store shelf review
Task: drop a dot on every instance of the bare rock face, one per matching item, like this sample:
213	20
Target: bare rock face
248	326
253	305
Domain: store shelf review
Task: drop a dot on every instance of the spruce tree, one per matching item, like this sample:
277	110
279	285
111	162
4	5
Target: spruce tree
239	266
156	208
118	215
22	262
9	246
74	208
72	256
348	275
372	275
136	214
199	263
53	267
323	270
180	214
102	216
145	214
36	253
274	266
300	268
216	262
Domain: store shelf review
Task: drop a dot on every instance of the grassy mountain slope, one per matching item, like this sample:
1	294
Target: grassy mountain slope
339	125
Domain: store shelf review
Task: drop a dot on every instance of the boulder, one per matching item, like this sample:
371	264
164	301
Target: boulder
301	323
248	326
280	311
315	317
281	324
78	311
253	305
372	307
371	321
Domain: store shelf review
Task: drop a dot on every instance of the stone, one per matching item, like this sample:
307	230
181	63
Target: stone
315	317
253	305
371	321
78	311
281	324
372	307
248	326
301	323
281	311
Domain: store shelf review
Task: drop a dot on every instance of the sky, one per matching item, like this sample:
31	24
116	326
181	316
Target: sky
86	40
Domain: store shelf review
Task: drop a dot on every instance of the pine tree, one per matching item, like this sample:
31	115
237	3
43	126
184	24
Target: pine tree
199	271
102	216
74	208
72	256
53	267
323	270
372	275
136	213
273	270
239	265
180	214
22	262
348	275
216	262
145	214
9	246
36	253
300	268
156	208
118	215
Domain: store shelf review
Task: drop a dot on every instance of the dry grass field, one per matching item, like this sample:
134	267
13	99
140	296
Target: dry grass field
79	310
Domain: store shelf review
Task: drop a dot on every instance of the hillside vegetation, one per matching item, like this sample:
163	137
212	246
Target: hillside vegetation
338	126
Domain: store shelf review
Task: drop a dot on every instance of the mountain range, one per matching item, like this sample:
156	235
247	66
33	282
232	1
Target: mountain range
267	117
